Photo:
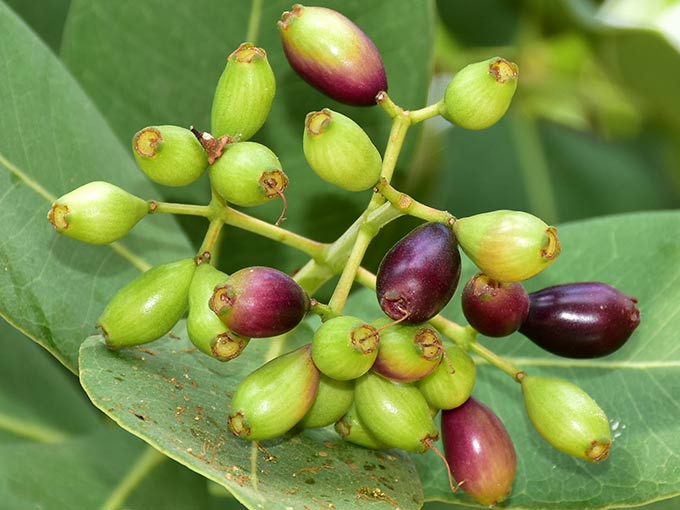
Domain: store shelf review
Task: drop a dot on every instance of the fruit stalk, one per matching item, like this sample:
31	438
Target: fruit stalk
407	205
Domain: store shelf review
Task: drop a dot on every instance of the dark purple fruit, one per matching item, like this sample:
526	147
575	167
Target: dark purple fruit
259	302
479	451
494	308
419	274
580	320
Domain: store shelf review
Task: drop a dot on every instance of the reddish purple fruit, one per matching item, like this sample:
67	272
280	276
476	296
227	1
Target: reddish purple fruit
580	320
479	451
419	274
494	308
259	302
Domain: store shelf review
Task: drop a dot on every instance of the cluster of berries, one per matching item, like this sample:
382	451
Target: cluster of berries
381	384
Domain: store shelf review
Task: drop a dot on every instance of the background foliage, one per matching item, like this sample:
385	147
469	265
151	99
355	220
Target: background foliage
592	134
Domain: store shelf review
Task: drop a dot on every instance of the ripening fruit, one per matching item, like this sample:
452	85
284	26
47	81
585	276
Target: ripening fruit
244	94
345	347
332	401
205	329
149	306
581	320
567	417
407	352
480	93
169	155
259	302
395	413
351	428
451	383
340	152
97	213
494	308
419	274
332	54
479	451
273	398
508	246
247	174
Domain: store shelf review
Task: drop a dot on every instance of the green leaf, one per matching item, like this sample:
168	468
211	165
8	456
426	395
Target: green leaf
46	18
159	62
52	140
177	399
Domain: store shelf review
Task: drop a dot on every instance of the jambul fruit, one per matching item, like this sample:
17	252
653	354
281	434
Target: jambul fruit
332	401
451	383
580	320
419	274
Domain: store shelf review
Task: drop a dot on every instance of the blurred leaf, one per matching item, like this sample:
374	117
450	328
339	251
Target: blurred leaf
52	140
177	399
45	17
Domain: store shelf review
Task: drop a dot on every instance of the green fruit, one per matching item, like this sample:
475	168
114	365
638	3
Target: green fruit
567	417
340	152
508	246
97	213
332	401
451	382
407	352
345	347
169	155
247	174
351	428
276	396
480	93
244	94
149	306
206	330
396	413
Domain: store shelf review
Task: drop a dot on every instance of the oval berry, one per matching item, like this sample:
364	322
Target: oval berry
352	429
580	320
479	451
259	302
451	382
494	308
419	274
332	401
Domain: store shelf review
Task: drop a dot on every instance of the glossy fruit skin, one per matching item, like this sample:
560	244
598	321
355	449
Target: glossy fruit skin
580	320
352	429
259	302
451	383
567	417
418	276
149	306
332	401
479	451
276	396
494	308
332	54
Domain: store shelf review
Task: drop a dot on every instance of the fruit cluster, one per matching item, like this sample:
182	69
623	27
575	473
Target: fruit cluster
381	384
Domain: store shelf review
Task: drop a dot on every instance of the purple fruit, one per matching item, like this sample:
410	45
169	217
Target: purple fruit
419	274
259	302
580	320
479	451
494	308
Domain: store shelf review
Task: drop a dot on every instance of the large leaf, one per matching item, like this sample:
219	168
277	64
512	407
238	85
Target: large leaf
45	18
52	139
158	62
177	399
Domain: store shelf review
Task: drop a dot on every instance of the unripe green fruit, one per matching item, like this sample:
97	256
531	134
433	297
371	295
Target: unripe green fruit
340	152
396	413
244	94
407	352
97	213
567	417
451	382
169	155
480	93
206	330
273	398
351	428
345	347
149	306
508	246
332	401
247	174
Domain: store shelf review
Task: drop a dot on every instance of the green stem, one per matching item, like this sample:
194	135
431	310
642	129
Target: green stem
407	205
29	430
400	125
254	22
186	209
146	463
323	311
211	239
497	361
428	112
